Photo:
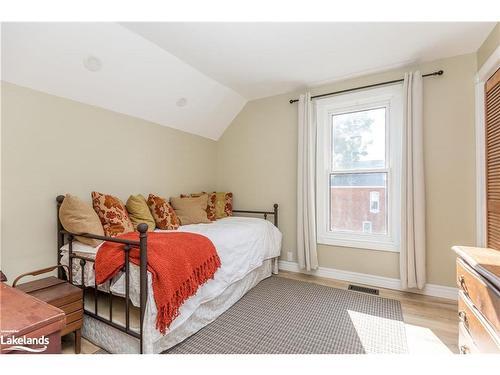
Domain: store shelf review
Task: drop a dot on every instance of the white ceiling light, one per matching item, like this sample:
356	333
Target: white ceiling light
92	64
181	102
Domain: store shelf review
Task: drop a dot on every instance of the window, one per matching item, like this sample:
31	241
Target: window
374	202
359	169
367	226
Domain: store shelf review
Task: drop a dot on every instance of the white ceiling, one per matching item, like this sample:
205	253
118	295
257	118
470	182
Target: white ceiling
217	67
137	78
264	59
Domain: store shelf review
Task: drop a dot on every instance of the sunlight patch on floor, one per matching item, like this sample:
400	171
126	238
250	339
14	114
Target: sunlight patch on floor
422	340
373	330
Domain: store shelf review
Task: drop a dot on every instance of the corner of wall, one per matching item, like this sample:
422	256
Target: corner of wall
490	44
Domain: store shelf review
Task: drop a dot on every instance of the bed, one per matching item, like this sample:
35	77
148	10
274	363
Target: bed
120	314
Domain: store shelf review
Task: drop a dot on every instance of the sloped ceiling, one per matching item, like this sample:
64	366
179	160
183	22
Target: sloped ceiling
196	77
137	77
264	59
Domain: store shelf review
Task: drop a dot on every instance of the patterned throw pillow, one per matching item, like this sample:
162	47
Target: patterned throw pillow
210	204
112	213
163	213
223	205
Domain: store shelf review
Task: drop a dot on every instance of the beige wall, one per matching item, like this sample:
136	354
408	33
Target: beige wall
489	46
257	159
52	145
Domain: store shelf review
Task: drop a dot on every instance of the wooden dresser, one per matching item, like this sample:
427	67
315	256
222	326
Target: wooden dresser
478	280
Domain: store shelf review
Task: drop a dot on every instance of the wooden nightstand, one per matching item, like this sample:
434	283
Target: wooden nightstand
61	294
23	315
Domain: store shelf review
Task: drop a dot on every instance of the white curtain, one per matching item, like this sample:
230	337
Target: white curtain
412	256
306	184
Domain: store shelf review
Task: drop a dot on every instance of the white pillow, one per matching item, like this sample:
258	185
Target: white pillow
81	248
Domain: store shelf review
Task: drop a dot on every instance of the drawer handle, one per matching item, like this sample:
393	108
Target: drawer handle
462	315
461	282
464	349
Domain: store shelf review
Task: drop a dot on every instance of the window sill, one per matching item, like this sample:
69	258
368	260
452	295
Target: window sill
359	244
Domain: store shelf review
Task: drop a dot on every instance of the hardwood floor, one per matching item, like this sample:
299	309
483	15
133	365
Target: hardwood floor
68	345
431	323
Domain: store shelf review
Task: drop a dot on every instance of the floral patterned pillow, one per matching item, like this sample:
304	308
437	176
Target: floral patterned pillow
163	213
210	205
112	213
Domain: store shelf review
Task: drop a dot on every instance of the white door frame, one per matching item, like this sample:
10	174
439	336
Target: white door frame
486	71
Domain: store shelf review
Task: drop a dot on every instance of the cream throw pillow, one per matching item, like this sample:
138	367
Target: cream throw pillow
78	217
191	210
223	205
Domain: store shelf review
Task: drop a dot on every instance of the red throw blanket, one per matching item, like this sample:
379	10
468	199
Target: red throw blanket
179	263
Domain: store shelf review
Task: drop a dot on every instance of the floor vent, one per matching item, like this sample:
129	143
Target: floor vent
363	289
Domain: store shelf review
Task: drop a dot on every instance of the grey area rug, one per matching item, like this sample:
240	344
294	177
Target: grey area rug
283	316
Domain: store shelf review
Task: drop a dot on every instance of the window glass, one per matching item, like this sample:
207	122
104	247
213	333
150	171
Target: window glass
359	140
352	204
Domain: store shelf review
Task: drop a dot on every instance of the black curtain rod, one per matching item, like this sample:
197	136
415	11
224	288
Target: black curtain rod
438	73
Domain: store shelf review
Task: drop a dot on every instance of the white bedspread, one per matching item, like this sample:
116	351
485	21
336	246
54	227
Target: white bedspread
243	244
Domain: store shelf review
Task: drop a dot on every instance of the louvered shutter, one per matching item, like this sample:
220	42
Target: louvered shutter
492	119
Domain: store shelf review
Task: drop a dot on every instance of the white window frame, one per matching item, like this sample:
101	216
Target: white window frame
391	98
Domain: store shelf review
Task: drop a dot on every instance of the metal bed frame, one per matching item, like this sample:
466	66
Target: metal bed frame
63	235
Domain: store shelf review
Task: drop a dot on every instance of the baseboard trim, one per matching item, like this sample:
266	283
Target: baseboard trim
371	280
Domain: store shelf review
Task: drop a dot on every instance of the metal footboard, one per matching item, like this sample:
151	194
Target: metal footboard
141	244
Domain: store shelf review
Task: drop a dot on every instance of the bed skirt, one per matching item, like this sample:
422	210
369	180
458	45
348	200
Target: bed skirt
114	341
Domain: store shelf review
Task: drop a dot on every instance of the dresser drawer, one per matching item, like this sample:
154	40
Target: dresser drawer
465	343
482	294
76	315
72	307
483	335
